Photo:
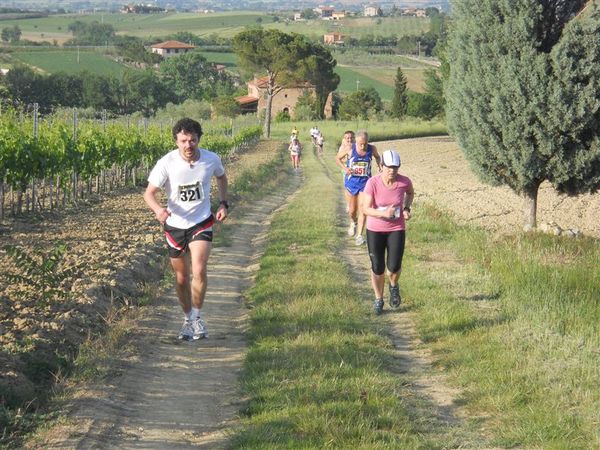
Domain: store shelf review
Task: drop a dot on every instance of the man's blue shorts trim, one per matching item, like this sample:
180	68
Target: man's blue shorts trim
355	188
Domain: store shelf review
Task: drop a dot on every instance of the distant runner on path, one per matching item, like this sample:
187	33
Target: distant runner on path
343	155
386	203
185	175
358	171
295	149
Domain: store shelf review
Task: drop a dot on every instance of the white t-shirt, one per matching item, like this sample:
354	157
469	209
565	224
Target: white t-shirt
187	186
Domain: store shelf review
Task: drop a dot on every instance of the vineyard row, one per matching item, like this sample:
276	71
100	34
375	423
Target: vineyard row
59	164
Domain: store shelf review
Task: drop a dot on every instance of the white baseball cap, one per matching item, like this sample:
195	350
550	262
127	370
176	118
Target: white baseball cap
391	158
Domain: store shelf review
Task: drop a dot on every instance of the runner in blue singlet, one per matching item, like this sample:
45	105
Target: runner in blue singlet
358	171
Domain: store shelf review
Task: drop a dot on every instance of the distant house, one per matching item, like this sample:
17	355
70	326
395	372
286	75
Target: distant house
324	12
414	12
169	49
338	15
284	101
333	38
371	11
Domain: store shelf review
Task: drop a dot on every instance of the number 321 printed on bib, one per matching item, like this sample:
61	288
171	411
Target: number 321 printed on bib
191	192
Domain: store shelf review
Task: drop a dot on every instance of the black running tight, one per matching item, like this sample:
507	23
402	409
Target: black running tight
379	243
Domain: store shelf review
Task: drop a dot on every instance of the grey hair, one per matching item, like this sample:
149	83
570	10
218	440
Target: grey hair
363	134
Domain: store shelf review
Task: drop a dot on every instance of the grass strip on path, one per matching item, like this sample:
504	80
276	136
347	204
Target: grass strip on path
318	372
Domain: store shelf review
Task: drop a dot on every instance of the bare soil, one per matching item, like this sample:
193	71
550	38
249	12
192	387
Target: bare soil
118	247
441	174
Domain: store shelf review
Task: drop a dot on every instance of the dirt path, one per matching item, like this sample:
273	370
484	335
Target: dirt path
175	394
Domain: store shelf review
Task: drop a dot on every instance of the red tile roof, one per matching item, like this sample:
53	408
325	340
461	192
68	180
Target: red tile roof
172	44
246	99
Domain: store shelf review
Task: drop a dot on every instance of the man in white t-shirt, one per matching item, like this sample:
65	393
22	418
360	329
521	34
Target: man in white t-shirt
314	132
185	175
320	141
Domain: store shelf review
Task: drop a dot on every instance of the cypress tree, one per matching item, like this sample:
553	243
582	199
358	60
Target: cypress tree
523	94
400	101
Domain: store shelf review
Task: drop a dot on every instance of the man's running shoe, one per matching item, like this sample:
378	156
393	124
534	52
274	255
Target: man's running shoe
187	331
378	306
395	296
352	229
359	240
199	329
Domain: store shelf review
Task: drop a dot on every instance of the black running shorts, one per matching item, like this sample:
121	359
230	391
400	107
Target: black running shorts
178	240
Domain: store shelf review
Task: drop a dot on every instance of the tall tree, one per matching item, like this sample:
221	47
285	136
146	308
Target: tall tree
192	76
400	100
360	104
24	85
12	34
282	56
522	94
317	67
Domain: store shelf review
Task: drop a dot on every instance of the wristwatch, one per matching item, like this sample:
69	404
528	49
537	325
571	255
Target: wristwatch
224	203
406	208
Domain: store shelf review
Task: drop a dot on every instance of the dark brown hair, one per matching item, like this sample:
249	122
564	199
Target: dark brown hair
187	125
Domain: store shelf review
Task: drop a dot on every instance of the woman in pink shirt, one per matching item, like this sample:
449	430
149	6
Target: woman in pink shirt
386	203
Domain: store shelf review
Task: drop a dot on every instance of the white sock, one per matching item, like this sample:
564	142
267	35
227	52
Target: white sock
195	313
187	315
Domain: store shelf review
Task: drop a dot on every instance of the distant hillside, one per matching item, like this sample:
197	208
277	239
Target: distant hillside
260	5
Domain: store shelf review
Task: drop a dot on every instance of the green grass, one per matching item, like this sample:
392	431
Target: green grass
512	321
515	323
52	61
228	59
319	371
349	78
224	24
386	76
356	27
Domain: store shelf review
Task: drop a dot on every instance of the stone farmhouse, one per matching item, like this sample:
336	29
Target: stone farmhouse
169	49
284	101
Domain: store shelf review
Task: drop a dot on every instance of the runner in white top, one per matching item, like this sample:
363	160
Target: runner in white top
185	174
314	132
320	141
